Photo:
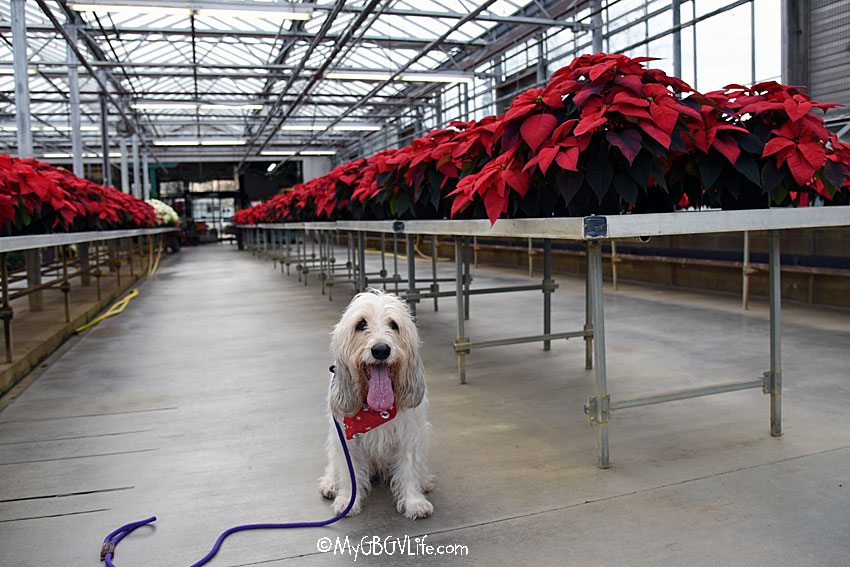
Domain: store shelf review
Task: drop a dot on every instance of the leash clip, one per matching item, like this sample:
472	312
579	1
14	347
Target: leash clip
108	548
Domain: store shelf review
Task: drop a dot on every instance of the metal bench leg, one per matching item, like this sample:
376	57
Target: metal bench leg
461	334
547	291
588	322
601	403
775	378
411	273
361	261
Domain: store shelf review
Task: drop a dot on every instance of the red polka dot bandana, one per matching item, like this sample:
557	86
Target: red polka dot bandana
366	420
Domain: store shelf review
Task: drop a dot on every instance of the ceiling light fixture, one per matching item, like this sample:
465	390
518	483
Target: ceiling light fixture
449	77
230	106
358	76
279	11
318	153
356	128
277	153
223	142
131	9
257	13
436	78
177	143
11	71
163	106
304	127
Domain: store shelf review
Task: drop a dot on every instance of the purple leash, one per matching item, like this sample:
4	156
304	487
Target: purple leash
111	542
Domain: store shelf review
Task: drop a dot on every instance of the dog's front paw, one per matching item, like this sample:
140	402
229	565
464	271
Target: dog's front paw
327	487
414	508
427	483
341	503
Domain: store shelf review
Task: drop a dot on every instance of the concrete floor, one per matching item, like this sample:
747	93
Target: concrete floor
204	404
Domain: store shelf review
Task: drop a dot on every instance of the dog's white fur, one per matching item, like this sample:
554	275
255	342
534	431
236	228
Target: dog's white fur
396	450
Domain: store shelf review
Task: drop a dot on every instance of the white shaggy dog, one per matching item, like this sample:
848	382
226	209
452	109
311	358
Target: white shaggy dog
378	372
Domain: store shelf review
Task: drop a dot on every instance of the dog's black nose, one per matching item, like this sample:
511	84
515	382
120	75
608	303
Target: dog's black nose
381	351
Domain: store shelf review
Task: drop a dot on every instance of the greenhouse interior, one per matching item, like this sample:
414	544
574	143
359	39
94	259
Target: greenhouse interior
279	276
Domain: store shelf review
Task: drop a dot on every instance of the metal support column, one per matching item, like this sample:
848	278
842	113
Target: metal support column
596	25
97	272
22	88
65	286
435	287
383	273
125	170
137	178
588	319
746	272
288	251
146	178
361	261
298	260
6	312
74	100
104	135
467	277
775	378
85	263
323	275
411	274
600	404
461	333
395	263
32	260
677	37
615	260
548	288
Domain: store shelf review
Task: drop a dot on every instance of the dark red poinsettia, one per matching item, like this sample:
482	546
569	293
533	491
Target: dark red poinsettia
37	197
605	135
493	184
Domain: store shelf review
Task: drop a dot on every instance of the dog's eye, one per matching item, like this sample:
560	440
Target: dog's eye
361	325
393	326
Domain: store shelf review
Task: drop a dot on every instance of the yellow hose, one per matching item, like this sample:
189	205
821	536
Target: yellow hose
116	308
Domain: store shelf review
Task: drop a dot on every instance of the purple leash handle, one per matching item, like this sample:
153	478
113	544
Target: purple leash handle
111	541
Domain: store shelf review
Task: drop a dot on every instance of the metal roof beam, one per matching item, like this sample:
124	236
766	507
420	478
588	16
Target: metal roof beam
351	28
435	43
383	41
69	40
482	17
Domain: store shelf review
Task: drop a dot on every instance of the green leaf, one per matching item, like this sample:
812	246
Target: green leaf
641	169
750	168
626	188
400	203
779	194
569	183
710	169
731	183
830	188
530	203
658	174
835	173
383	178
750	143
599	174
771	176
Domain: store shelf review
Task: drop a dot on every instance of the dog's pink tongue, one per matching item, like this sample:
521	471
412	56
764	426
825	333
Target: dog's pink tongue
380	396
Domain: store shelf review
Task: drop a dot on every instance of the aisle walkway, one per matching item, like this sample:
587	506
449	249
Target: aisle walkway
204	404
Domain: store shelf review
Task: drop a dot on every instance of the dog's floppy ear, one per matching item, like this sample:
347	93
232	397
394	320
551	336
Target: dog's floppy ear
345	396
411	383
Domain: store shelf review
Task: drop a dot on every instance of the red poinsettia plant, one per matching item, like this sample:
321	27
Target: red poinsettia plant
36	197
606	135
